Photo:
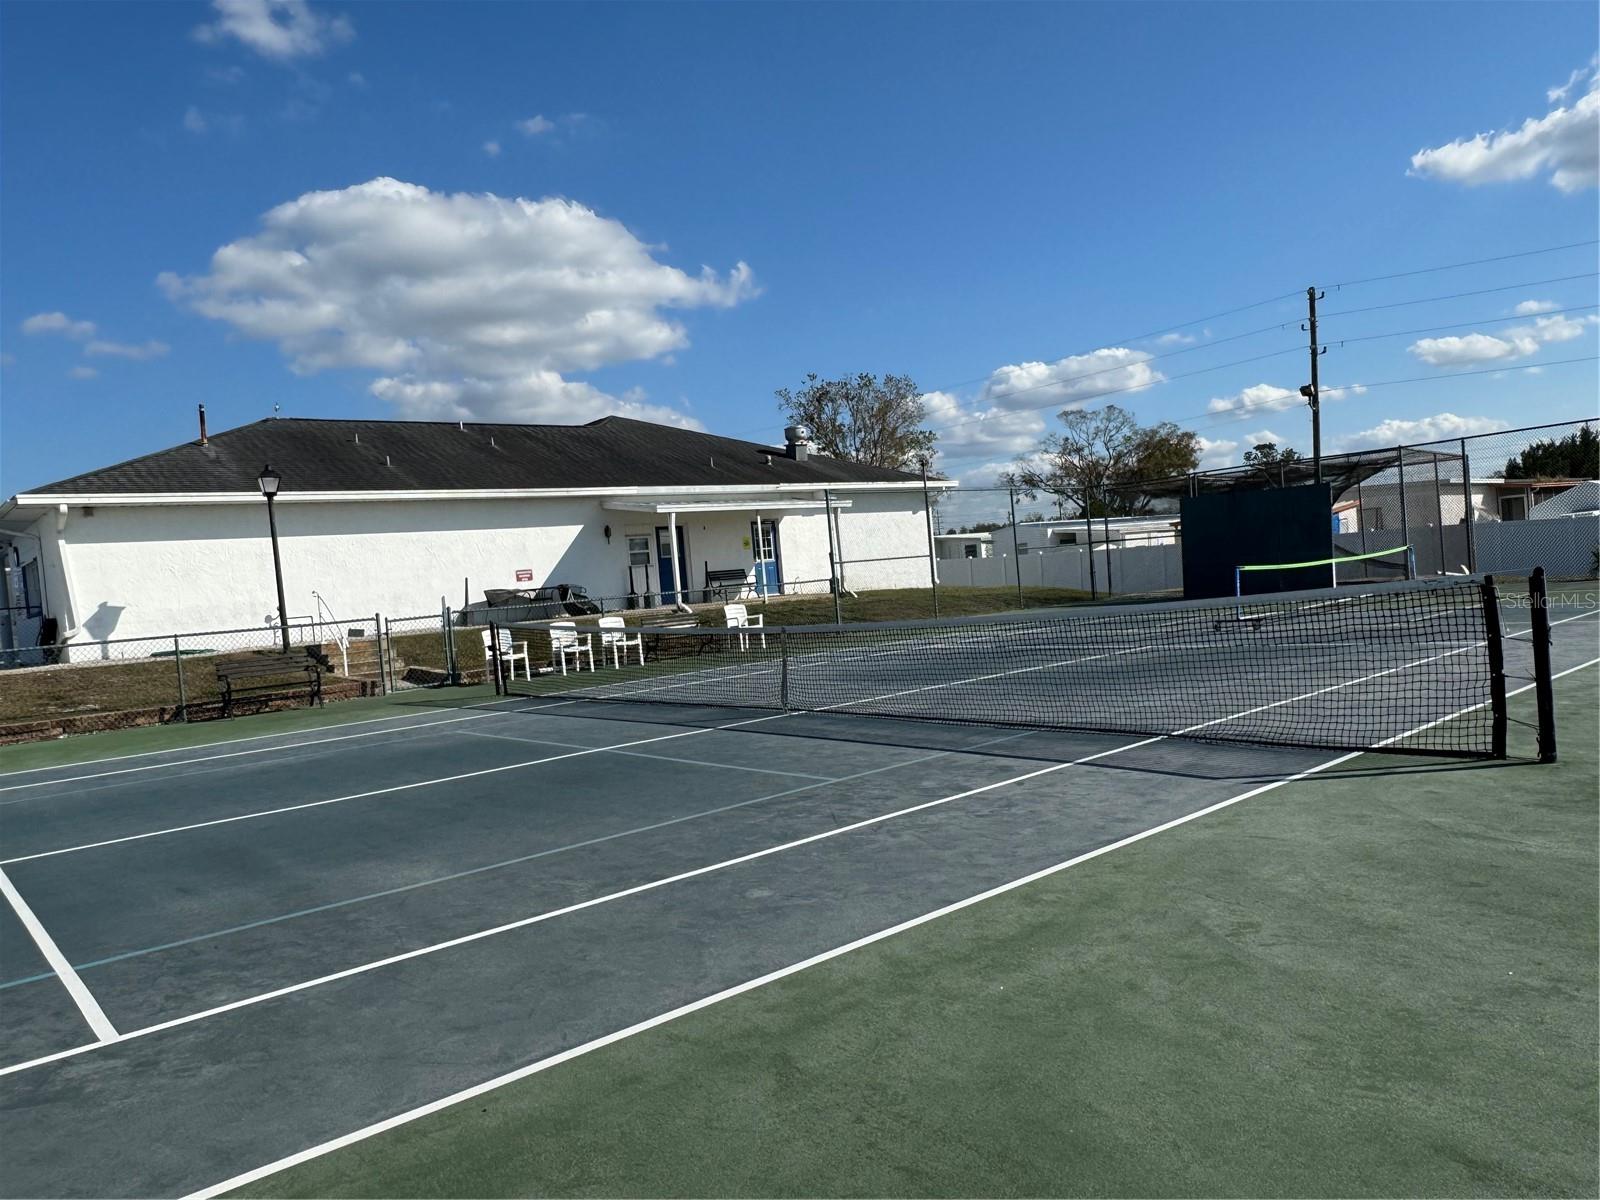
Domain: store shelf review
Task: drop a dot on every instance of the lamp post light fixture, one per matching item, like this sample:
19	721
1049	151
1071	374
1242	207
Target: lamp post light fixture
269	481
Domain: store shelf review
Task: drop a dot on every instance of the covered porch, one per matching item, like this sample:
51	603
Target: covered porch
683	550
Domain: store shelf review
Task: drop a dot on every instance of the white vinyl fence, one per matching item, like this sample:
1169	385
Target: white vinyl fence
1119	571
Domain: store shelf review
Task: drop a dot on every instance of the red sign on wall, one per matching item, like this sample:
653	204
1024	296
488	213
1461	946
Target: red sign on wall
524	575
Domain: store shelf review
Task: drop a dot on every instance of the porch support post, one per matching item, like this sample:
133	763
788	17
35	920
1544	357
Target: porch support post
672	559
760	557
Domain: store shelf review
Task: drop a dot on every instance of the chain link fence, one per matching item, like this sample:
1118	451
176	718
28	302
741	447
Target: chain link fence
84	687
1516	500
1500	503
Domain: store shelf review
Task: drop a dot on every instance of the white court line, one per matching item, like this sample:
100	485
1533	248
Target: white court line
555	1060
693	762
399	787
544	1064
608	898
103	1029
205	758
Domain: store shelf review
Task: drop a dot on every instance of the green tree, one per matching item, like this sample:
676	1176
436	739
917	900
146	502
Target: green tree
1270	459
1100	456
863	419
1576	456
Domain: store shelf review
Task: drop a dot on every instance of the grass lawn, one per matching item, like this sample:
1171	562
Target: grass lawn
1377	981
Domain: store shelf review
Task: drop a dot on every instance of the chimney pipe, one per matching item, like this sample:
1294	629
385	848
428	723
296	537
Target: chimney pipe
203	440
797	439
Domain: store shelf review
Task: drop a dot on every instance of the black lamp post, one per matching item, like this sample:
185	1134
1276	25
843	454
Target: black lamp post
269	481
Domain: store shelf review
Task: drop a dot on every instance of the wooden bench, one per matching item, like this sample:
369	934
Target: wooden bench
262	673
719	583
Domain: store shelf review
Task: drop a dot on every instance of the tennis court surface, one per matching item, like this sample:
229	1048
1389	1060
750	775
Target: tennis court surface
218	959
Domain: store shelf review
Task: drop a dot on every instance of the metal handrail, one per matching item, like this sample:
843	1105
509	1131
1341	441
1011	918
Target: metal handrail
341	638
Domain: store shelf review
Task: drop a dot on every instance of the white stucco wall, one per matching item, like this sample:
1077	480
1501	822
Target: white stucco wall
139	571
883	540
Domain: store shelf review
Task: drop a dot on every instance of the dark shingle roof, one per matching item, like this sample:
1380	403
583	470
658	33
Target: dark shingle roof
349	456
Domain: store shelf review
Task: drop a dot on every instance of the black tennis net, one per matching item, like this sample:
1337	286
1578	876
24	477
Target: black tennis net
1410	667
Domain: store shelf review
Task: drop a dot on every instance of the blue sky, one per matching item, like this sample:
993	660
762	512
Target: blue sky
520	212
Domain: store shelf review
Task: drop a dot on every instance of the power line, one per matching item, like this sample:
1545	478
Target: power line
1277	401
1372	337
1133	387
1220	366
1510	287
1476	262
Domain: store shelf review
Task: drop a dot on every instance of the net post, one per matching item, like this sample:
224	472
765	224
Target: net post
500	688
1466	507
783	669
1543	691
183	696
1497	667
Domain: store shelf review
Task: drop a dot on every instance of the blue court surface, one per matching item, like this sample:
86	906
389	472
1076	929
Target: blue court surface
214	958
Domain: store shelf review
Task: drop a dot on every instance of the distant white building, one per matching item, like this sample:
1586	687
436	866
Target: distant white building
390	516
963	545
1033	537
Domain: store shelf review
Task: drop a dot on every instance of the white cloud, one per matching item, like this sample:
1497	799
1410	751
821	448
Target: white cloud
228	75
58	323
139	353
1071	382
1396	432
1529	307
1175	339
279	30
465	304
1560	93
194	120
1473	348
1515	343
1256	398
1565	143
1218	452
1560	329
535	125
82	373
492	149
966	433
1262	436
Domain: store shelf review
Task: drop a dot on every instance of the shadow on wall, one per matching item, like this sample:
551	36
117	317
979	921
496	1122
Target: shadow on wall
102	623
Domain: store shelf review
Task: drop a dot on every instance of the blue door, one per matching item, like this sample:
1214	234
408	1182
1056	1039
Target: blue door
769	566
674	583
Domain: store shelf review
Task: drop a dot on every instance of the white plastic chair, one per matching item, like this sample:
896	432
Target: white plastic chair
566	640
613	633
738	616
510	653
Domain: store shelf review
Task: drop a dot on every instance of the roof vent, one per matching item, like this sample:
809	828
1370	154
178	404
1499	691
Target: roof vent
203	439
797	442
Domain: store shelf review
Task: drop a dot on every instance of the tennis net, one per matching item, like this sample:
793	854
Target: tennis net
1379	667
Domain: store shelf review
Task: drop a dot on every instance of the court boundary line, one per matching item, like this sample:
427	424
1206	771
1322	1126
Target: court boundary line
525	858
104	1031
480	935
187	762
493	1084
399	787
739	989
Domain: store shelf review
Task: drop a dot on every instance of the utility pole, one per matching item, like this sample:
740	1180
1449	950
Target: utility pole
1313	392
